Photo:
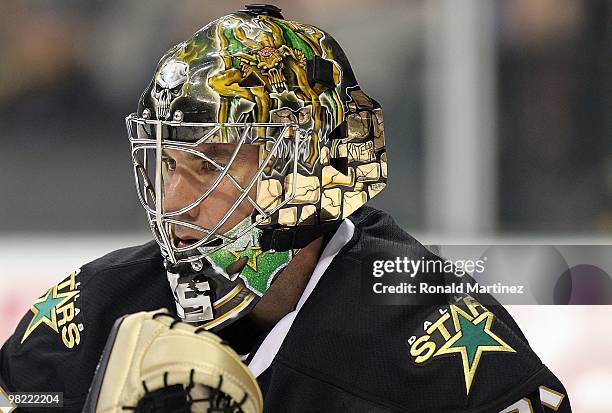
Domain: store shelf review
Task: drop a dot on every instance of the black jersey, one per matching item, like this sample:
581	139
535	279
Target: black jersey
341	354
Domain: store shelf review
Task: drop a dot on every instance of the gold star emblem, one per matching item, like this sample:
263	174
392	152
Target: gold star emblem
473	338
44	310
251	253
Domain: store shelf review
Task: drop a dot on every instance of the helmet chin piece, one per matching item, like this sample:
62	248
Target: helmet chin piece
217	286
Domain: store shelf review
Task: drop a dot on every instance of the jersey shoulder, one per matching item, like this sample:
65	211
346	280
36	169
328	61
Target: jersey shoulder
125	257
454	355
57	343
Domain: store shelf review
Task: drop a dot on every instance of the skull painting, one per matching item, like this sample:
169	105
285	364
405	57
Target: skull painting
169	86
270	61
265	60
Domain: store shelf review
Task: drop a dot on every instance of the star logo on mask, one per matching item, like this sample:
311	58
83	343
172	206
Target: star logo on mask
44	310
261	266
251	253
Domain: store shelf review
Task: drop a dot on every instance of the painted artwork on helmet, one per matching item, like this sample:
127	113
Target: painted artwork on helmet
246	69
262	69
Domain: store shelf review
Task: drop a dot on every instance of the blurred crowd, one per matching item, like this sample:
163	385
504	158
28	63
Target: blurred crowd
555	125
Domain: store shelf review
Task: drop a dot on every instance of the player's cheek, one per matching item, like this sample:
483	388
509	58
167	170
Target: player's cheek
223	198
243	172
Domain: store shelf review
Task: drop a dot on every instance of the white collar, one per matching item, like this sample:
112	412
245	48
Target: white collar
273	341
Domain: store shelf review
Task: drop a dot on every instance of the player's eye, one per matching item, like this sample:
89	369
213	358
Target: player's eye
208	166
169	164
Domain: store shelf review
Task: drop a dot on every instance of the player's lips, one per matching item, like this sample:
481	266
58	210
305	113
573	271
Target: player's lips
185	241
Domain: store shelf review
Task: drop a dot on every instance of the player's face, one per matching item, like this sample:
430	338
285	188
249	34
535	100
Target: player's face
187	176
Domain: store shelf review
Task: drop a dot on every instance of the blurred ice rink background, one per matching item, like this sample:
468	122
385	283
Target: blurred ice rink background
498	123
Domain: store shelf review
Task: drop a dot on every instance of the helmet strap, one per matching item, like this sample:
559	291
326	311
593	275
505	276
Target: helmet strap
285	239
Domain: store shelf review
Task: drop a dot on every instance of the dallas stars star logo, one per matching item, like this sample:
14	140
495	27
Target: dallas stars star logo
44	310
261	266
473	338
251	253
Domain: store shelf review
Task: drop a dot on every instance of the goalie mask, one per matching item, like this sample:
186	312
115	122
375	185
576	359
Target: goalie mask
251	140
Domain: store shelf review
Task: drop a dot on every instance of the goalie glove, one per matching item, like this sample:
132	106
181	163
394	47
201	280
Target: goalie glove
153	362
